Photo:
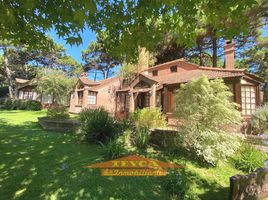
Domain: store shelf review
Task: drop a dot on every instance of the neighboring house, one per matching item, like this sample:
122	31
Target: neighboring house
25	89
93	94
156	87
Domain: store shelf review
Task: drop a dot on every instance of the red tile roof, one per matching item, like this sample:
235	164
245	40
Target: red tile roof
86	81
211	73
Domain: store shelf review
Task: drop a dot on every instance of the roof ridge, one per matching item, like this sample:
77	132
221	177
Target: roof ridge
221	69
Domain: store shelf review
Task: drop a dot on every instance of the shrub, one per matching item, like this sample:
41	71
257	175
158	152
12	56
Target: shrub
148	117
248	158
33	105
115	148
58	112
4	91
141	137
204	109
176	184
259	121
208	146
19	104
8	103
97	125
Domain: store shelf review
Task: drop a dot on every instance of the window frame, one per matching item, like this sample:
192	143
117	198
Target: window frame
155	72
92	96
80	98
244	99
173	69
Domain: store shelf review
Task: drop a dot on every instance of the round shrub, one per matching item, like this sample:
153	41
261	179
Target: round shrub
58	112
97	125
33	105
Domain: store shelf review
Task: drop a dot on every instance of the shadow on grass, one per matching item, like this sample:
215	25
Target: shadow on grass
35	164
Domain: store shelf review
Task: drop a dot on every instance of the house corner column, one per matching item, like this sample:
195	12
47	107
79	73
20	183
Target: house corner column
153	96
85	97
165	100
131	102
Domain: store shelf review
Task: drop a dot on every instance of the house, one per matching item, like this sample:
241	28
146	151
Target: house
25	89
93	94
156	86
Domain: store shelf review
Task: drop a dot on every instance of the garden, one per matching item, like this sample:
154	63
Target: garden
37	163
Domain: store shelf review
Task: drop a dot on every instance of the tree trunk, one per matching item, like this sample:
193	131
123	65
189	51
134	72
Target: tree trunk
214	50
8	75
201	63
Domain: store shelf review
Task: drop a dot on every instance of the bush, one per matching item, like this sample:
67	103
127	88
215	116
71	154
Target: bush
115	148
204	108
4	91
148	117
248	158
141	137
19	104
176	184
33	105
259	121
58	112
97	125
8	103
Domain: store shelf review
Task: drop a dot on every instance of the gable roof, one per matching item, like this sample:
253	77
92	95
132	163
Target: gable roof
86	81
21	81
210	73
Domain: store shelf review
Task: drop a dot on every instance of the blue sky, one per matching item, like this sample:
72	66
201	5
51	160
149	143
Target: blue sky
75	51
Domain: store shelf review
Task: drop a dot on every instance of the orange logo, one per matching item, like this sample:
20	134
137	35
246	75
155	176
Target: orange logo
133	166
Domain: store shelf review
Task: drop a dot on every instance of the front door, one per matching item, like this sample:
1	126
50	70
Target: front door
143	100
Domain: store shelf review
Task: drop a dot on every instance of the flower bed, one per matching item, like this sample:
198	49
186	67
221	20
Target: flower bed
58	125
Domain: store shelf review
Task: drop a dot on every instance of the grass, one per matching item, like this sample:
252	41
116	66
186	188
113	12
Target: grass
36	164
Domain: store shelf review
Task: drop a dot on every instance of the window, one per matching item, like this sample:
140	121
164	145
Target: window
123	103
146	99
173	69
155	73
248	97
92	98
80	97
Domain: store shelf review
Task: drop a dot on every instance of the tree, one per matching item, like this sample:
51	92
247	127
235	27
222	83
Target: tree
129	24
204	109
255	59
55	83
98	58
27	22
22	62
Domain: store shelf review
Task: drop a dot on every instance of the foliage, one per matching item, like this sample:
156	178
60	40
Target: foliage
58	112
255	59
98	58
3	91
204	109
55	83
20	104
178	186
149	118
141	137
144	24
128	72
248	158
97	125
116	148
259	121
29	21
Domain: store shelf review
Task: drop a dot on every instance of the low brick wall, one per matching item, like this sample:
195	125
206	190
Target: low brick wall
163	138
253	186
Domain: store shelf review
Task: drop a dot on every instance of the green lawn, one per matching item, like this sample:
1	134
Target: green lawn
35	164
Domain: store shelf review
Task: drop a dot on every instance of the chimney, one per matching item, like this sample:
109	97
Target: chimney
229	54
143	61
